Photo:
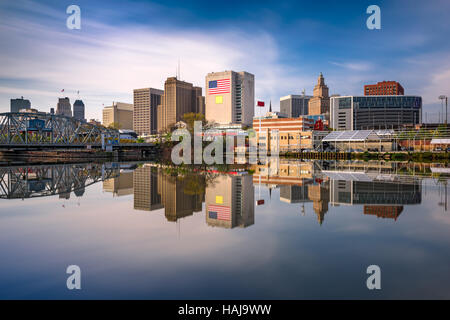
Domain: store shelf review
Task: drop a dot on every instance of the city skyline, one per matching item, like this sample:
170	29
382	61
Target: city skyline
110	42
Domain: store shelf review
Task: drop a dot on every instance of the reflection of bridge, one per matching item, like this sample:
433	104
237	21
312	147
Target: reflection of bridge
33	181
24	129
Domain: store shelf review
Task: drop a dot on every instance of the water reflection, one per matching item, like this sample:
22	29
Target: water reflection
383	189
303	229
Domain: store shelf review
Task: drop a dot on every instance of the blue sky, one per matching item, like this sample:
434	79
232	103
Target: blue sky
124	45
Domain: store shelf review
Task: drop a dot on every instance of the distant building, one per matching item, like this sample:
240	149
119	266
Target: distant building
145	118
78	110
230	97
320	102
119	113
64	108
385	88
294	105
375	112
52	110
21	103
95	122
179	98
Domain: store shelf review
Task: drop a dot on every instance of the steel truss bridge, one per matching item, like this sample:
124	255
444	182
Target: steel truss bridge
20	182
18	129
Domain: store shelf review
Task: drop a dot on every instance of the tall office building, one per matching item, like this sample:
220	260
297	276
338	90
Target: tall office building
121	185
384	88
294	105
179	98
145	118
320	102
20	103
64	108
78	110
374	112
230	97
119	113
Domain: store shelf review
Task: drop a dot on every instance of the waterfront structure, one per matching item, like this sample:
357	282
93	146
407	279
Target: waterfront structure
64	108
294	105
364	140
385	88
230	97
287	134
78	110
320	102
375	112
179	97
20	103
146	102
120	114
384	212
229	202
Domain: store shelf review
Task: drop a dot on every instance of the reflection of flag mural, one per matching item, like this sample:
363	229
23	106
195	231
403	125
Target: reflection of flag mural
219	212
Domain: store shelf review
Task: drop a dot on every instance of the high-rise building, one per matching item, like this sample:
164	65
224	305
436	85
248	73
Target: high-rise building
385	88
20	103
320	102
294	105
120	114
374	112
78	110
179	98
64	108
145	118
230	97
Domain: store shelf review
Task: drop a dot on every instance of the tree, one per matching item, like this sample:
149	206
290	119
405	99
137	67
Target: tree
114	125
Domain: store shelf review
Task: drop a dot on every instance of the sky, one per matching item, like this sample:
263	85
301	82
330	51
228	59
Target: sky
124	45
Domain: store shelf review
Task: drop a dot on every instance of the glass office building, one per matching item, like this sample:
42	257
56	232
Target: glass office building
374	112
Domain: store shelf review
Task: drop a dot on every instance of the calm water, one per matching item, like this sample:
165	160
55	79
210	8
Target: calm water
286	230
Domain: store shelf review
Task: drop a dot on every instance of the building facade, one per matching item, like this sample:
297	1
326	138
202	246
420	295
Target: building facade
287	134
294	105
145	117
375	112
385	88
179	98
20	103
320	102
230	97
78	110
64	108
119	113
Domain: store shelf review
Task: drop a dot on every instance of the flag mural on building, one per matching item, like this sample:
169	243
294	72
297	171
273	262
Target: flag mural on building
219	86
219	212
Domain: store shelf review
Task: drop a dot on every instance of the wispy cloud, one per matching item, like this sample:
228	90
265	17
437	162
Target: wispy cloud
354	65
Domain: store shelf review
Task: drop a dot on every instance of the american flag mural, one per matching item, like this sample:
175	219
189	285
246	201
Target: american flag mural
219	86
219	212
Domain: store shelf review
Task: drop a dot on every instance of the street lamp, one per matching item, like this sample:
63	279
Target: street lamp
442	98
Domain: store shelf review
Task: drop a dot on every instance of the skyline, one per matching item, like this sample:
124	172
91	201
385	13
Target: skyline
117	50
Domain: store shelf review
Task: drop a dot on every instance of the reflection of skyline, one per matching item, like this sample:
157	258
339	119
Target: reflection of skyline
381	189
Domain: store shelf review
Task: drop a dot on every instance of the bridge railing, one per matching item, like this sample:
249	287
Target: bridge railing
26	128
